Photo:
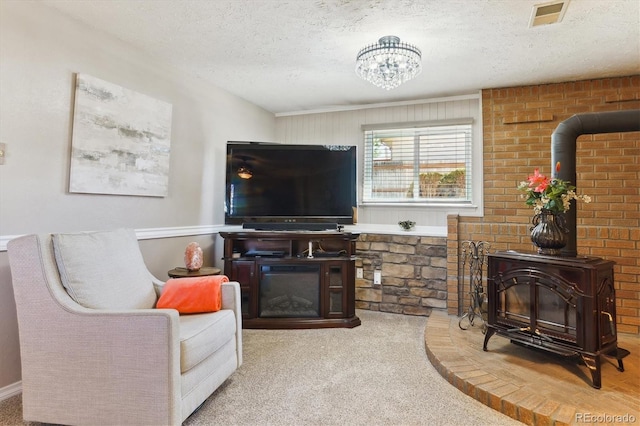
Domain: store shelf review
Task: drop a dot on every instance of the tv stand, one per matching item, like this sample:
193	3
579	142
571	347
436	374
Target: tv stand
290	226
294	289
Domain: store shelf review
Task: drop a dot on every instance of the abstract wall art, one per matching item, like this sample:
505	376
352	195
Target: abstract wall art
121	141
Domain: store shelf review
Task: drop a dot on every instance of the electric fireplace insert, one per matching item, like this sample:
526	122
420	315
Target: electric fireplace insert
289	291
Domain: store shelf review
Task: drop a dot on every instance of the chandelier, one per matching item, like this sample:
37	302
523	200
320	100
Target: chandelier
389	63
245	173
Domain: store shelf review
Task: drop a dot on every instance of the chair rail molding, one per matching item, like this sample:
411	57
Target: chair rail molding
148	233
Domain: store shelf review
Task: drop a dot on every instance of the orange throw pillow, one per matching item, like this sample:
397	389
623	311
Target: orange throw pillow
192	295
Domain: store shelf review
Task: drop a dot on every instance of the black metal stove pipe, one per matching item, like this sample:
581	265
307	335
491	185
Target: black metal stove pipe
563	150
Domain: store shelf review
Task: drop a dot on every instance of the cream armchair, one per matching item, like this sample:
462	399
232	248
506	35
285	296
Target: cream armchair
93	348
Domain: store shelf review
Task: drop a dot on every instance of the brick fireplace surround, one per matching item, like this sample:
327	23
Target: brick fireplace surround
518	123
420	274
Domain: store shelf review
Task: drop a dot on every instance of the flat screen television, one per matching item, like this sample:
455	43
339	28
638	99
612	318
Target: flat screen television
282	186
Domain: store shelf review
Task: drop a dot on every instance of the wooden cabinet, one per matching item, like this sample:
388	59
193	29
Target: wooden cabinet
293	279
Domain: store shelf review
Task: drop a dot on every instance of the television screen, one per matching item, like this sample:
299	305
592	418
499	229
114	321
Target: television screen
280	183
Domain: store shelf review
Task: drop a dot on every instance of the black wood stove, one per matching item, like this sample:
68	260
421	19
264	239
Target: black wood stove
564	305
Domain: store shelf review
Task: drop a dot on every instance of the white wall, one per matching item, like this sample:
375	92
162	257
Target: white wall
40	53
345	128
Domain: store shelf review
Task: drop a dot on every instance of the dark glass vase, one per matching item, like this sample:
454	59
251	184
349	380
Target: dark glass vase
549	232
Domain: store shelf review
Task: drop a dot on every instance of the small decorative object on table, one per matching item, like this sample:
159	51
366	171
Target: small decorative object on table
407	225
550	199
193	257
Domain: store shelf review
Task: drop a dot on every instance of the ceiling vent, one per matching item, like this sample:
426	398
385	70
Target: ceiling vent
548	13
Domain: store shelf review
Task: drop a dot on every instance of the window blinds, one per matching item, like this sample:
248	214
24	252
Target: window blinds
418	164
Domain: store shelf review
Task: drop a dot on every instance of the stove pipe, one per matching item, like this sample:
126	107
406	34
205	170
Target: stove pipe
563	149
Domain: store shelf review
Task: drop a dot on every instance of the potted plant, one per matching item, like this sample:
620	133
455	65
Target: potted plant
407	225
550	199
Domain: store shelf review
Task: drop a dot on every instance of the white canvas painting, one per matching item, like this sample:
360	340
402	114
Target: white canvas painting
121	141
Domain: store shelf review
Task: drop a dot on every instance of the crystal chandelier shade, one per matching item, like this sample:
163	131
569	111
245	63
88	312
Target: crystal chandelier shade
389	63
245	173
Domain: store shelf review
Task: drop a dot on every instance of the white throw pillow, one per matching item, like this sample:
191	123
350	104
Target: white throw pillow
104	270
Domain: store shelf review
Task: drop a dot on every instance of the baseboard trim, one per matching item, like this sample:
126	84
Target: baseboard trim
148	233
10	391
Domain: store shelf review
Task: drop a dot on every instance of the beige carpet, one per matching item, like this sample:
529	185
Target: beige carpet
374	374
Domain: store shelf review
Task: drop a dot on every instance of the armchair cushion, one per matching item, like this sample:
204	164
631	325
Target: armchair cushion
104	270
193	295
203	334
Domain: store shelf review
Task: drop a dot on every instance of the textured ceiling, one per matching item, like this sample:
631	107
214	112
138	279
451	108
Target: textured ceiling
300	54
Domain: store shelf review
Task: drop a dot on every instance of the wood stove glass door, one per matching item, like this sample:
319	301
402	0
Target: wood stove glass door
535	303
514	305
556	311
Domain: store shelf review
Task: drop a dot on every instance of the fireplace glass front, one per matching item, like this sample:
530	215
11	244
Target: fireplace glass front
527	299
555	313
289	291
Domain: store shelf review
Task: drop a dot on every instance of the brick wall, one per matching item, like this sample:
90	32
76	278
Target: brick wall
414	272
518	123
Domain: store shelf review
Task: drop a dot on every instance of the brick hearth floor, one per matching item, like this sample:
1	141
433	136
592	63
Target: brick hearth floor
532	386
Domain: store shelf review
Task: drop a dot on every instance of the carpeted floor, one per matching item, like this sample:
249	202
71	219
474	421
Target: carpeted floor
374	374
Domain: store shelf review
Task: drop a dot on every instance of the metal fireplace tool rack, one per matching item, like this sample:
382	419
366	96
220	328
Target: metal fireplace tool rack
474	257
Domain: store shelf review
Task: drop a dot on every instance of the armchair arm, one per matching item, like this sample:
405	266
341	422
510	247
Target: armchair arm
82	356
231	300
157	284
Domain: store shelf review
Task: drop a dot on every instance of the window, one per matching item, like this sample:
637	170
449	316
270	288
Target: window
425	163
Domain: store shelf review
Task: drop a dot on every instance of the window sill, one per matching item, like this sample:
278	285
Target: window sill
422	231
434	205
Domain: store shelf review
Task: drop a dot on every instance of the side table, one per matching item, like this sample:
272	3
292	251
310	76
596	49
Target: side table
181	272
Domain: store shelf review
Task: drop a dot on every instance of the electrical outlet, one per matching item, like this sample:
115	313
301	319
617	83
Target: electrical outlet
359	273
377	277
